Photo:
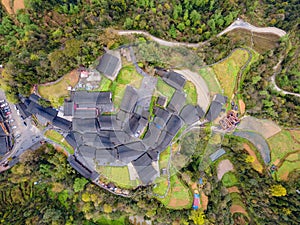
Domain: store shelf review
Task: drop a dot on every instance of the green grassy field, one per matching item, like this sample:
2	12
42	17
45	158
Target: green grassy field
229	179
56	93
104	220
236	199
209	76
227	71
190	90
164	89
59	139
164	158
105	84
118	175
161	185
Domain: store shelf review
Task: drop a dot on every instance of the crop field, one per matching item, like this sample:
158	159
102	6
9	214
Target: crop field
229	179
165	89
209	76
118	175
255	164
285	152
179	196
191	92
228	70
59	139
56	92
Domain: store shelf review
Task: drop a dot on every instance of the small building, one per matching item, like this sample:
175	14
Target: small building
177	102
129	100
161	101
109	65
175	80
216	107
217	154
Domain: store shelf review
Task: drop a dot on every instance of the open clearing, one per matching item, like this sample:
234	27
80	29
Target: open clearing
255	164
228	70
18	4
237	209
6	4
204	201
59	139
55	92
209	76
12	6
164	89
223	167
118	175
229	179
266	128
237	204
233	189
191	93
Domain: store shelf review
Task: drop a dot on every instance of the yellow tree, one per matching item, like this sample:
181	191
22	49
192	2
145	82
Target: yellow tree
278	190
198	217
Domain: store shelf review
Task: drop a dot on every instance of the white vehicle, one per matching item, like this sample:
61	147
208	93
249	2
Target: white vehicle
4	104
14	127
2	101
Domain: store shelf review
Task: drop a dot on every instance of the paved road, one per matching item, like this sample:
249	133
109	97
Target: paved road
201	87
241	24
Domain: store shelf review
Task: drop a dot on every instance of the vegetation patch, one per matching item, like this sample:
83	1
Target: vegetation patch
283	143
57	91
229	180
228	70
286	168
210	78
118	175
191	92
59	139
254	161
164	89
105	84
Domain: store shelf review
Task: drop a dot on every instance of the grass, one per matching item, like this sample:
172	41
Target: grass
286	168
59	139
236	199
161	185
126	76
283	143
56	93
209	76
105	220
178	197
118	175
165	89
105	84
164	158
227	71
190	90
229	179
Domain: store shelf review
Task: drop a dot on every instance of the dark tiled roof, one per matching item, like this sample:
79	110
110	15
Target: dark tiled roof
109	123
220	98
85	113
129	100
177	102
175	80
79	167
23	110
85	125
143	160
108	64
3	145
153	154
85	99
34	98
164	140
161	100
106	156
70	138
190	114
151	135
68	108
173	125
62	123
214	111
147	174
126	154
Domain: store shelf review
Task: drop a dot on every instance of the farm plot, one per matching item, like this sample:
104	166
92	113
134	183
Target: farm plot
258	141
266	128
190	90
55	92
118	175
224	167
255	163
210	78
227	70
164	89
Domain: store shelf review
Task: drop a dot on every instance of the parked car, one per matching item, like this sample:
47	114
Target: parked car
2	101
12	120
25	123
18	135
7	113
14	127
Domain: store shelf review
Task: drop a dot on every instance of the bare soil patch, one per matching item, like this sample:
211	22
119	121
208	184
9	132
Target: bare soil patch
233	189
242	106
276	162
237	209
176	203
255	164
284	176
18	4
224	167
6	4
266	128
204	201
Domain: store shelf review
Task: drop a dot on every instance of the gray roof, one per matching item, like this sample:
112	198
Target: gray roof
120	137
217	154
3	145
109	122
151	135
164	141
106	156
108	64
126	154
79	167
97	141
129	100
68	108
61	123
177	101
214	111
85	99
23	110
220	98
137	146
143	160
135	124
161	100
174	79
191	114
153	154
70	138
85	113
173	125
85	125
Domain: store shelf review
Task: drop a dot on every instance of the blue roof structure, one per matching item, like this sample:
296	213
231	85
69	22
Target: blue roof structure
217	154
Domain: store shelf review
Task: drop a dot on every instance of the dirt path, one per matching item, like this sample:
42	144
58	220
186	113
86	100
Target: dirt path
201	87
6	4
237	209
242	106
233	189
255	164
224	167
204	201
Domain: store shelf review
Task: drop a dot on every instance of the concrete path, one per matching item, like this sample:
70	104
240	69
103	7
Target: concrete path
201	87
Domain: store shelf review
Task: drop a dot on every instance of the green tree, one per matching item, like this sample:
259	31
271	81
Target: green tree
79	184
